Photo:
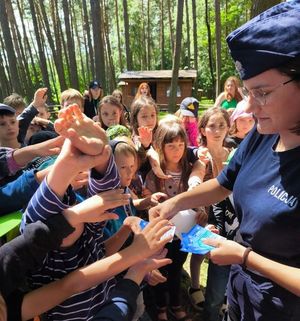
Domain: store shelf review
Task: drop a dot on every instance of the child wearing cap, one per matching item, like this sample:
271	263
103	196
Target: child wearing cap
92	98
20	117
241	123
188	113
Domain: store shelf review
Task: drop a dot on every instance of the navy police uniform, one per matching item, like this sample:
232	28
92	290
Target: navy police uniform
265	183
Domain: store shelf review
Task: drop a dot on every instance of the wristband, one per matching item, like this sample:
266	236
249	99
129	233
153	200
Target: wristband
147	148
194	181
245	257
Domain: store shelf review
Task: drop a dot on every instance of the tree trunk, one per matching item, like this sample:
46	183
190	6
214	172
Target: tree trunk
22	60
188	40
148	36
258	6
194	10
127	39
86	50
209	43
12	61
61	37
6	65
49	60
162	35
59	44
57	57
43	62
89	39
98	43
176	58
4	81
27	45
83	71
71	46
51	72
171	26
118	35
143	54
218	47
112	83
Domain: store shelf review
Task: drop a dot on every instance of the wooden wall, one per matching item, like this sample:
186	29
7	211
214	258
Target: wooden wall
162	85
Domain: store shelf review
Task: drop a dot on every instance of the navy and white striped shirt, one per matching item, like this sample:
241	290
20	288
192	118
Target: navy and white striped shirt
86	250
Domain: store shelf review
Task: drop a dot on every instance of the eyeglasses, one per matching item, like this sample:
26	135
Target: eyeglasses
259	94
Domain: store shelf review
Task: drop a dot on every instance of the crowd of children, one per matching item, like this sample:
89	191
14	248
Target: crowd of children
85	182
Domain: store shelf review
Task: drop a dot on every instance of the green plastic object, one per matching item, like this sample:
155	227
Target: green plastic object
230	156
9	222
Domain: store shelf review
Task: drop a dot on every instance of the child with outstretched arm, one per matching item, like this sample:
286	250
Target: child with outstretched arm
27	251
84	148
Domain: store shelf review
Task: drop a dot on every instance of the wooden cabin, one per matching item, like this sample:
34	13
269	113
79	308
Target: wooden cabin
159	82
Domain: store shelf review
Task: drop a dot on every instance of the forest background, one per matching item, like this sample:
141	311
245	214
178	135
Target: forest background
66	43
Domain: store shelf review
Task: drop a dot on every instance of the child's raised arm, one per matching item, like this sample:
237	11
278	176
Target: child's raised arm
155	164
83	149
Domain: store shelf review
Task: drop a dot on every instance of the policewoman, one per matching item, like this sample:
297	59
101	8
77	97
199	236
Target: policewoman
264	172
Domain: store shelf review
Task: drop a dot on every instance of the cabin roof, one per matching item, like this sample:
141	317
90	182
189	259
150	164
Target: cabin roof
157	74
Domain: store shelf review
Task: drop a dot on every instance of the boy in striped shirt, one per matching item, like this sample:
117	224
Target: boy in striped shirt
85	147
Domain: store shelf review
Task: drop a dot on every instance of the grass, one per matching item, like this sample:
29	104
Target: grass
203	271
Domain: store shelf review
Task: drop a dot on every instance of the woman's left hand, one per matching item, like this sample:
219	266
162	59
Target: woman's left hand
226	252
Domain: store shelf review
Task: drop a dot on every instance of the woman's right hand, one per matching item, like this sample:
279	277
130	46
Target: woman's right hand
166	209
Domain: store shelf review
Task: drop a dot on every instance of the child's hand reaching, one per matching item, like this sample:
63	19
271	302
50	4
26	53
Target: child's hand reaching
155	164
40	121
201	217
95	208
145	135
159	173
40	97
212	228
157	198
87	136
154	277
149	241
80	180
75	161
133	222
203	155
139	270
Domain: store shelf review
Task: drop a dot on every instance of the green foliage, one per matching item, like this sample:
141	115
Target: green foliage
233	14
